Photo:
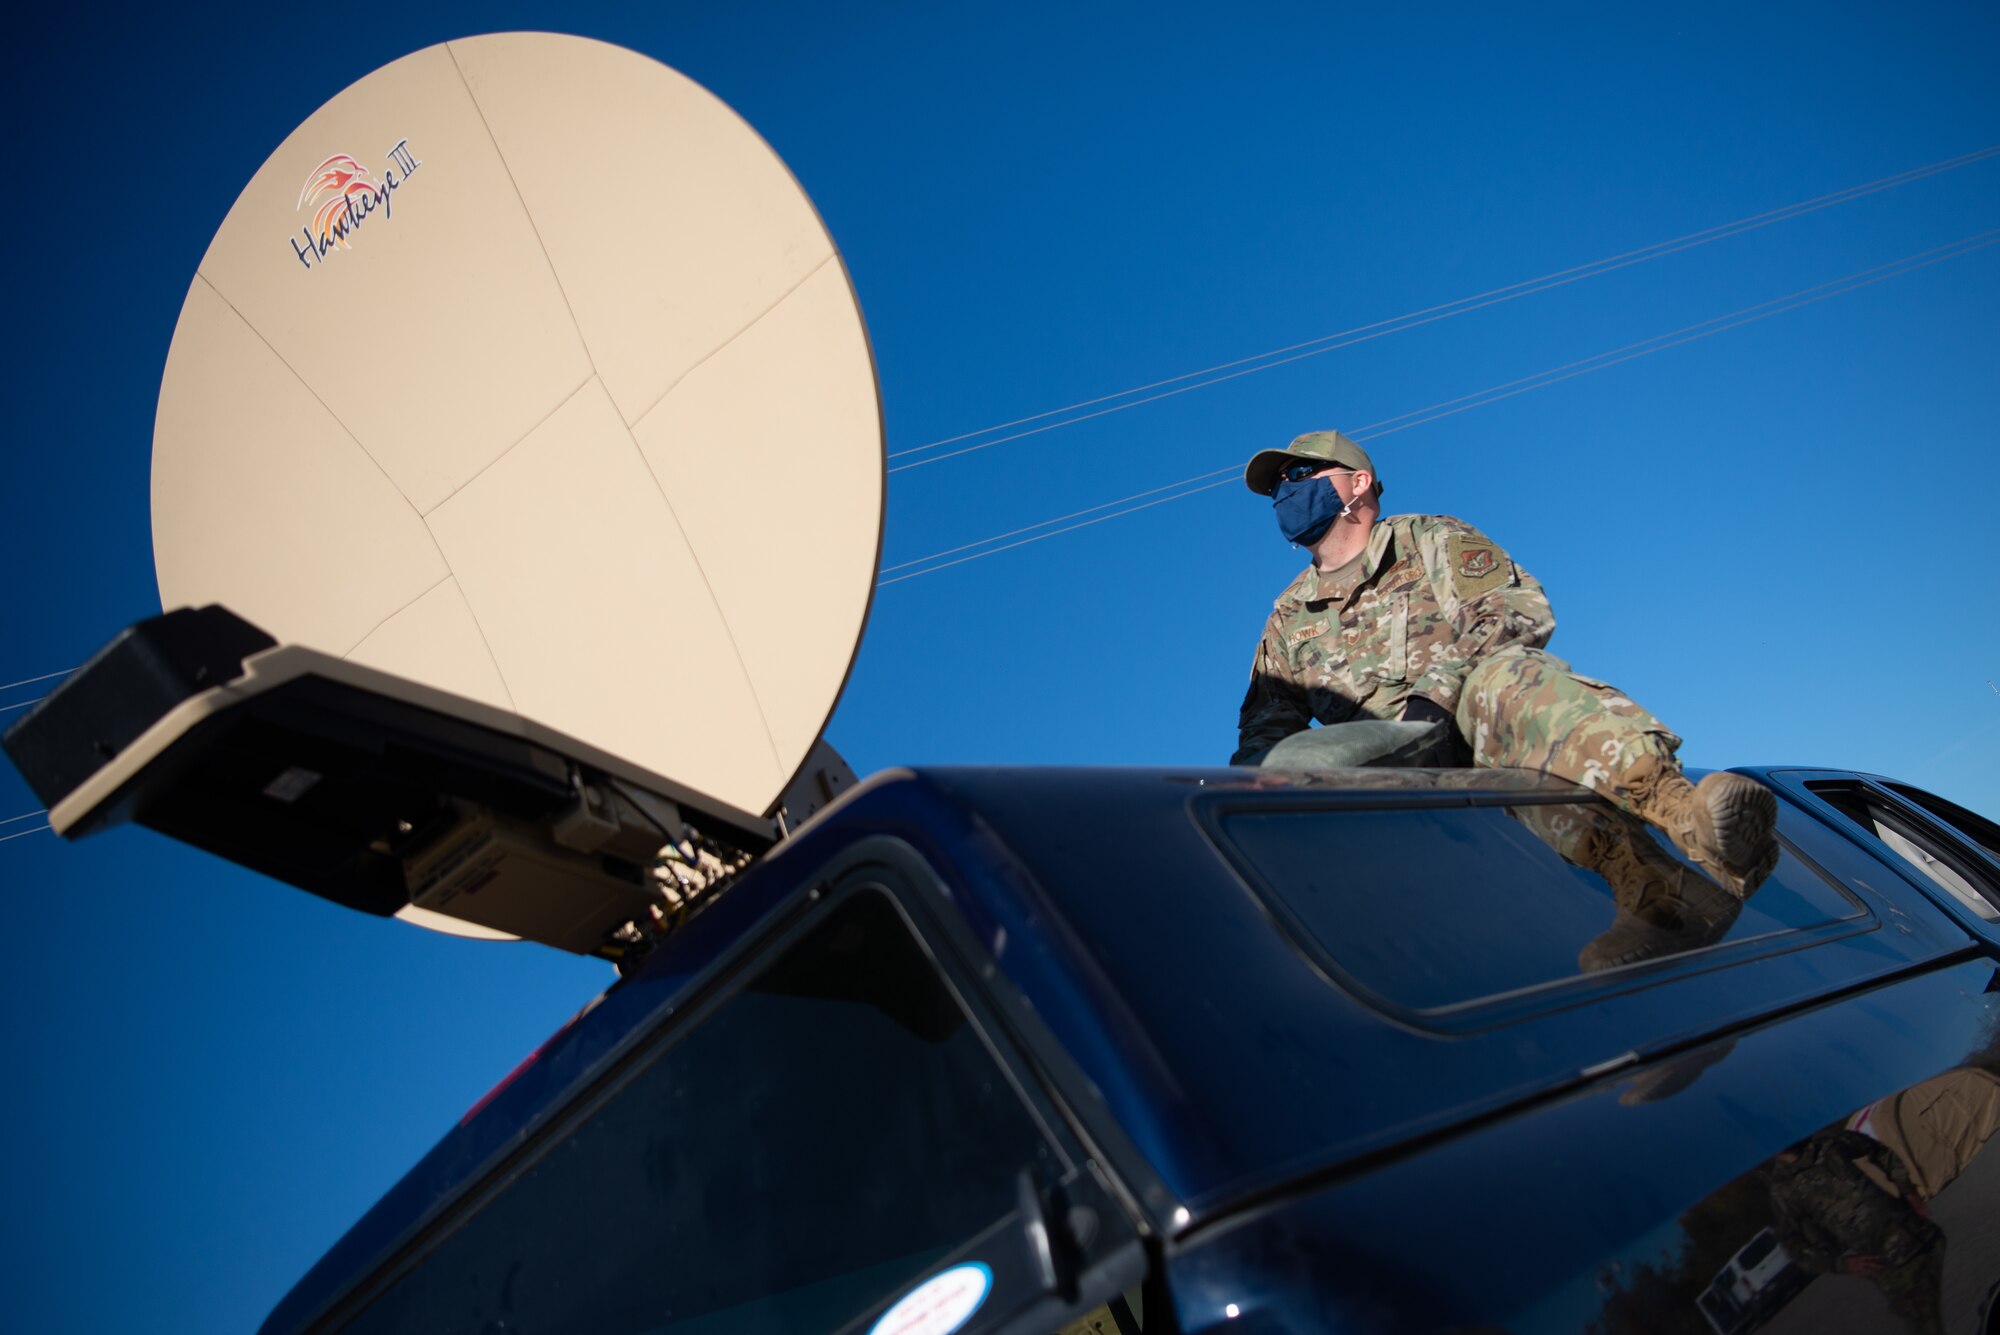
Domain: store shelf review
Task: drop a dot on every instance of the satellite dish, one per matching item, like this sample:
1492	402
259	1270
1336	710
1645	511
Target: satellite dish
525	370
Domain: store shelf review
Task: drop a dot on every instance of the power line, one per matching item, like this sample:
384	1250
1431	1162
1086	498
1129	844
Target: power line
1364	333
966	547
26	815
1071	529
1674	338
25	833
29	681
1763	310
1972	735
1430	314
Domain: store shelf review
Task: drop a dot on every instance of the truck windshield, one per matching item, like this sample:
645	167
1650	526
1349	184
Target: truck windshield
816	1141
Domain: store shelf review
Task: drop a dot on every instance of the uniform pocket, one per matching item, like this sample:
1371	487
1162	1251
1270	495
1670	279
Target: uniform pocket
1375	642
1396	664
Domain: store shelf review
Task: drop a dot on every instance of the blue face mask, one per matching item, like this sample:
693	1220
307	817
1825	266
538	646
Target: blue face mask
1307	509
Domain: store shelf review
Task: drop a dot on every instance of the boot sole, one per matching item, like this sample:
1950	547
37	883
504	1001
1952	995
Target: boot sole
1745	816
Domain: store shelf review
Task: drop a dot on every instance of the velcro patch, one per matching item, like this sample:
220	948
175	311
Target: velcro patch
1311	630
1476	566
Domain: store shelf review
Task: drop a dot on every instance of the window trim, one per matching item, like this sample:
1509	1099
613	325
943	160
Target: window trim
1014	1029
1911	795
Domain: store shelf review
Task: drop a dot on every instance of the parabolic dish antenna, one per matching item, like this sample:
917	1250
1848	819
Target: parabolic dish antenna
524	369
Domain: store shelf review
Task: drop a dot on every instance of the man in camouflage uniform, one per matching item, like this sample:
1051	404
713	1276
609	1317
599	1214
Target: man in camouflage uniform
1422	619
1845	1205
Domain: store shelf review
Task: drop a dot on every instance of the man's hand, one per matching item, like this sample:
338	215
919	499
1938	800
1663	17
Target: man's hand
1422	709
1861	1265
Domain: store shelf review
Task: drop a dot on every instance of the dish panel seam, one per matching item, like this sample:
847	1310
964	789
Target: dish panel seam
770	739
345	430
752	323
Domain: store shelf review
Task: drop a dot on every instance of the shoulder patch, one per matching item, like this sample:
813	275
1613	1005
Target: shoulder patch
1476	566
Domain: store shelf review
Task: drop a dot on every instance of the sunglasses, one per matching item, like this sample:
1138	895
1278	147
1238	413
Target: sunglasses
1305	468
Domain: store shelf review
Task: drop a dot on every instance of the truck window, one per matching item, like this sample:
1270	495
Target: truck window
1962	877
815	1144
1437	908
1974	828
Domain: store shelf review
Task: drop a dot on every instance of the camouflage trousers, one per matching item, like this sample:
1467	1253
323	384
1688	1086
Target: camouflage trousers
1525	709
1913	1281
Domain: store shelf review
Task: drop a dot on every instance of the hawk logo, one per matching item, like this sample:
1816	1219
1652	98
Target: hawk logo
330	186
343	195
1476	561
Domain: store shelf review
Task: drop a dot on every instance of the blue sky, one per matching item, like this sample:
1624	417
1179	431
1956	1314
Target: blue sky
1777	537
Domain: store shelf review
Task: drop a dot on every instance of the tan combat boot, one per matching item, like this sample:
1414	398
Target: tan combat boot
1663	908
1726	824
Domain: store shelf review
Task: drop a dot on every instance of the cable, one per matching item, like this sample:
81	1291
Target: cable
1972	735
25	833
1072	528
26	815
1721	323
1044	523
1430	314
1674	338
24	704
29	681
1508	389
1605	265
1805	296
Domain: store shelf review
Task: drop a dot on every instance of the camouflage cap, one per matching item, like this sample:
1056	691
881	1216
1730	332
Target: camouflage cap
1261	474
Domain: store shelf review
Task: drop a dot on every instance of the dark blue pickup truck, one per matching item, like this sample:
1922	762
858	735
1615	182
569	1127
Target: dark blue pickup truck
1217	1051
1116	1050
987	1052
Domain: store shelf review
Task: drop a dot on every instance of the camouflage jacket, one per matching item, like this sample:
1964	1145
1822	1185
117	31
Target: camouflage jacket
1432	597
1829	1207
